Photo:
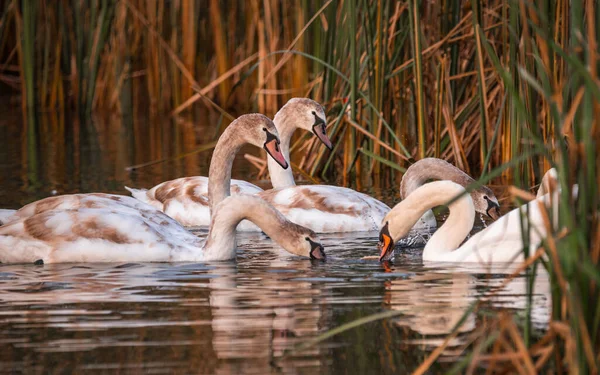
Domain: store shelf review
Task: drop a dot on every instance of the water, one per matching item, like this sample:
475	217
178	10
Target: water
240	316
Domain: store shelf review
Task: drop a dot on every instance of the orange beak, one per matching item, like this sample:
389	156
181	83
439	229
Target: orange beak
272	148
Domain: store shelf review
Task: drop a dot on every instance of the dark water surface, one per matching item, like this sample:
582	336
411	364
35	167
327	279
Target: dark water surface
222	317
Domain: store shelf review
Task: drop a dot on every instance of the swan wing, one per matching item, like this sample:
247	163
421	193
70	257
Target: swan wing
502	241
186	199
109	234
328	209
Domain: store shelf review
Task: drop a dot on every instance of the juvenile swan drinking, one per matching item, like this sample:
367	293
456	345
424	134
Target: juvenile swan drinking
500	242
113	228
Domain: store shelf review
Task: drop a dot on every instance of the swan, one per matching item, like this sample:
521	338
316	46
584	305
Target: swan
119	233
327	209
104	227
184	199
500	242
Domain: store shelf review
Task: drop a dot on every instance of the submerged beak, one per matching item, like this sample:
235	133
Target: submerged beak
317	251
386	244
272	148
319	129
493	209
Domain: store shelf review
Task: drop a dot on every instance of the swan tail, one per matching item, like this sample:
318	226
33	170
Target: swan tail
139	194
5	215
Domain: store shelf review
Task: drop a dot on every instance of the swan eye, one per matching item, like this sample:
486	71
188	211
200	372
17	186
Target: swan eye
265	129
306	238
486	197
314	113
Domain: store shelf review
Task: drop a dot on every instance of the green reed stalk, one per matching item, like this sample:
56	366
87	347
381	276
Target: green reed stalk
28	43
101	35
483	103
419	95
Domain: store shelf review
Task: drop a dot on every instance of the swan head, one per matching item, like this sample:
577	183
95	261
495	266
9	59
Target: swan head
307	114
260	131
485	202
302	241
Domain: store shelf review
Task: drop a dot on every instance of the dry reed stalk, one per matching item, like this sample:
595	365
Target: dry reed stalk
208	88
188	39
220	49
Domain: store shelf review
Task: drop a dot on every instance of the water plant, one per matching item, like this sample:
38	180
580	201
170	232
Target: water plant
504	89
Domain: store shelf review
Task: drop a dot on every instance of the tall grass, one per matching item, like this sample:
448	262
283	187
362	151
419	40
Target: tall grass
481	84
109	55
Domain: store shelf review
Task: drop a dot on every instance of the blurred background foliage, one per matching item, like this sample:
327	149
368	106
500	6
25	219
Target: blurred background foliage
416	78
503	89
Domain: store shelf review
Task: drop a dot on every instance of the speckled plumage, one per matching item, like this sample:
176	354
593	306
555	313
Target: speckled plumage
105	229
113	228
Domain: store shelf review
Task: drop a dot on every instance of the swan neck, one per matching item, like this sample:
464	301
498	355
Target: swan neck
450	235
220	243
219	174
281	178
431	169
453	232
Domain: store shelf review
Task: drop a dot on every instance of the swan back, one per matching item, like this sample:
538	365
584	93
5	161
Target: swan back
100	234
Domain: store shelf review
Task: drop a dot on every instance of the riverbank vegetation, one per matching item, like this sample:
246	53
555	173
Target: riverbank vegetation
502	89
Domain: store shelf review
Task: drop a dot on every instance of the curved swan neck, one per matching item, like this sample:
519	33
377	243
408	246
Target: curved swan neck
220	243
219	174
281	178
456	228
431	169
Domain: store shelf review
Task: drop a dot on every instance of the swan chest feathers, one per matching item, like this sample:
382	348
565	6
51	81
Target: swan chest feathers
96	235
327	209
186	199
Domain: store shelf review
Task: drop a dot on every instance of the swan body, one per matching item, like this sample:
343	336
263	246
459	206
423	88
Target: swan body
115	232
6	215
500	242
113	228
327	209
186	199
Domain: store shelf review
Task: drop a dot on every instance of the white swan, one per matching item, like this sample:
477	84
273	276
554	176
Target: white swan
327	209
104	227
500	242
118	233
184	199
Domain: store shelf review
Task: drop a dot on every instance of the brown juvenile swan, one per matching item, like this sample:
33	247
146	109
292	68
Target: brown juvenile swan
113	228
